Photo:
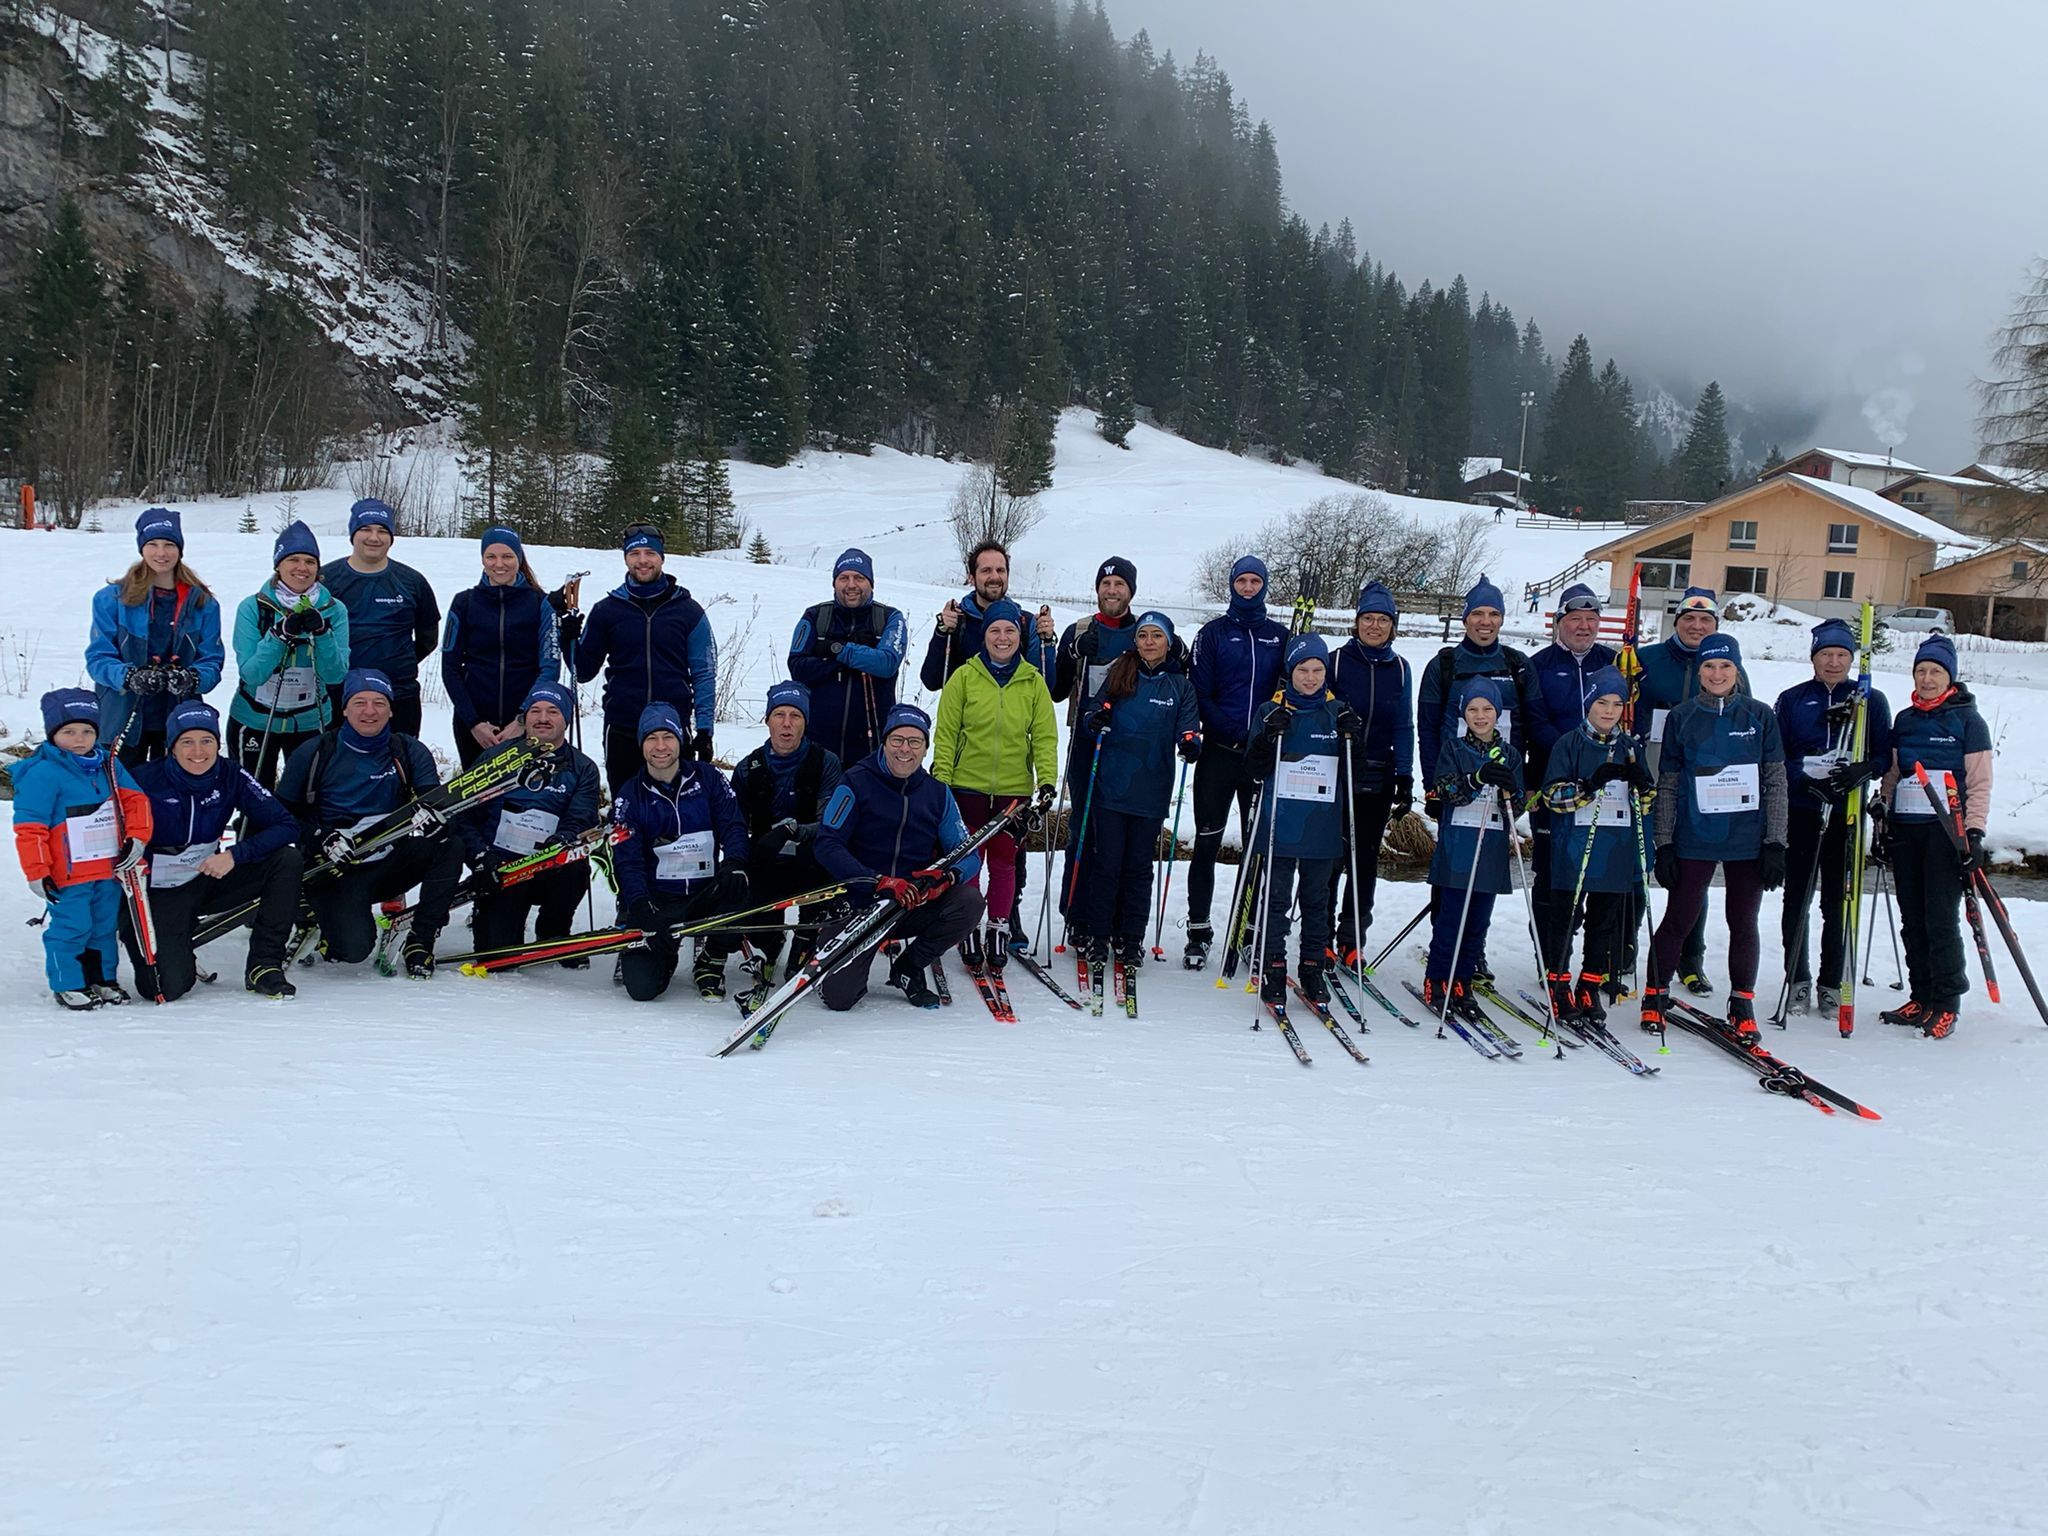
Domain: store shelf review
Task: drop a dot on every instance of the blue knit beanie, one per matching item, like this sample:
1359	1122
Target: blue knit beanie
1478	688
1720	647
1375	598
857	561
1484	594
365	680
502	535
1832	632
372	513
1158	621
549	693
159	523
1577	596
1604	682
1250	565
662	717
906	715
192	715
1002	611
1305	648
791	693
1940	650
297	539
69	706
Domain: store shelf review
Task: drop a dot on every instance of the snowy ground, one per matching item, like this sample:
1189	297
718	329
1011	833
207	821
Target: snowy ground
517	1256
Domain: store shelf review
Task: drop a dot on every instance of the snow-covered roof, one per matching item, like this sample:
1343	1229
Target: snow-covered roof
2031	546
2006	474
1965	482
1474	468
1867	460
1888	513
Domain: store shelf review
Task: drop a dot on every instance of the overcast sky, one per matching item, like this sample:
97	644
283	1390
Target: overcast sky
1829	200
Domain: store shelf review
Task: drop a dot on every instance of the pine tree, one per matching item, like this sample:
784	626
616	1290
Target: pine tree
758	551
1703	457
1118	413
628	488
248	522
1567	472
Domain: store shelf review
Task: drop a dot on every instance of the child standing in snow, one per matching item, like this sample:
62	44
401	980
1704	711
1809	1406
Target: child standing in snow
1296	752
1472	773
79	821
1595	772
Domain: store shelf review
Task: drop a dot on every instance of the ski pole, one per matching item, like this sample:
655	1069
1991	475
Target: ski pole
276	694
1507	807
1351	830
1464	916
1892	922
1080	845
1869	937
1413	923
1042	935
1643	873
1264	894
1172	849
1795	955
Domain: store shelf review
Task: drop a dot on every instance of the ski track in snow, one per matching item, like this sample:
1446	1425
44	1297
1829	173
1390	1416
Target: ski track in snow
516	1255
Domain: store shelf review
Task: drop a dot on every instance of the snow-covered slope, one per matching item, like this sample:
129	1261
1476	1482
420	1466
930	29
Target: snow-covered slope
498	1257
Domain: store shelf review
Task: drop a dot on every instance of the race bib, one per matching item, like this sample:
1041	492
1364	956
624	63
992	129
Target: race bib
1730	792
1098	674
1313	779
1909	799
1821	764
1482	814
690	857
1609	808
168	871
94	835
1657	719
290	688
526	831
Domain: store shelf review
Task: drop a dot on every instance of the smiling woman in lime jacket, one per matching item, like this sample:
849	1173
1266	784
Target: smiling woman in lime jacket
995	741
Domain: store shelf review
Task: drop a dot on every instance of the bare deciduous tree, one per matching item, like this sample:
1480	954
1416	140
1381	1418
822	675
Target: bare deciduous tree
982	510
1344	541
2015	421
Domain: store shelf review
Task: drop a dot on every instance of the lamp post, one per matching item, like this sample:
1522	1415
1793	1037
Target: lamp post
1522	458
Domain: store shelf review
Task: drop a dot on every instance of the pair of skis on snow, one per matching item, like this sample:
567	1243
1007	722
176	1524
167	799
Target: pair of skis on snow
1320	1011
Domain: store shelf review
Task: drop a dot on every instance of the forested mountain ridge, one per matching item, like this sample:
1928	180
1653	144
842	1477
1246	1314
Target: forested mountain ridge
657	229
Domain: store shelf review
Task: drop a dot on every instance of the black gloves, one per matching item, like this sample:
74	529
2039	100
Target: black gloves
1771	866
1498	773
1640	779
1270	731
1880	831
1667	866
142	680
559	601
49	888
782	834
1097	722
1189	747
1973	859
569	627
181	681
1846	777
1608	773
1046	792
700	744
1433	805
1404	795
644	913
305	624
1348	722
732	883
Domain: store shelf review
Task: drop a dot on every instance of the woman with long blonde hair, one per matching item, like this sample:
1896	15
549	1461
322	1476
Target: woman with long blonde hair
155	640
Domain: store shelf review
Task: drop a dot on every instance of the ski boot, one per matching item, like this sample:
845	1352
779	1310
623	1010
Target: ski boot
1586	1004
912	980
1939	1024
269	982
1434	995
77	999
1563	1004
110	993
619	971
708	971
1615	990
1800	999
1315	986
1019	941
1742	1016
1464	1005
419	955
1200	937
970	950
1273	984
995	952
1481	971
1653	1011
1697	984
1912	1011
1828	1001
1130	952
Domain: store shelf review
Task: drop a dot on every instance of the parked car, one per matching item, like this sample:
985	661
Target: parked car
1933	621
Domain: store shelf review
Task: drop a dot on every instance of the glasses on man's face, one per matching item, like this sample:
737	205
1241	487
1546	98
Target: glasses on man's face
903	742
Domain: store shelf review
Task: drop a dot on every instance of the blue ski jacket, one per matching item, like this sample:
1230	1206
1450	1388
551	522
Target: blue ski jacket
498	643
1235	667
1604	818
523	820
177	624
1474	826
692	826
1809	734
186	811
1559	706
1949	737
1443	681
1721	779
339	778
1379	687
659	644
877	824
849	658
1135	773
394	620
1298	806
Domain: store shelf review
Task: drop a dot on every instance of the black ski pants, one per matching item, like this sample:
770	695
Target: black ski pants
1604	915
182	910
1311	880
1930	884
1804	847
649	968
1368	825
776	877
500	917
1221	777
344	904
1114	898
929	931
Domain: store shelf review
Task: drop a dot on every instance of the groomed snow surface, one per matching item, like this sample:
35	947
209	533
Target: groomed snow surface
516	1256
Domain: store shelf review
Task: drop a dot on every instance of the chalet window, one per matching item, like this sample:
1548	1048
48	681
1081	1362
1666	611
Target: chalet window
1842	538
2019	570
1667	575
1912	498
1838	584
1742	534
1745	578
